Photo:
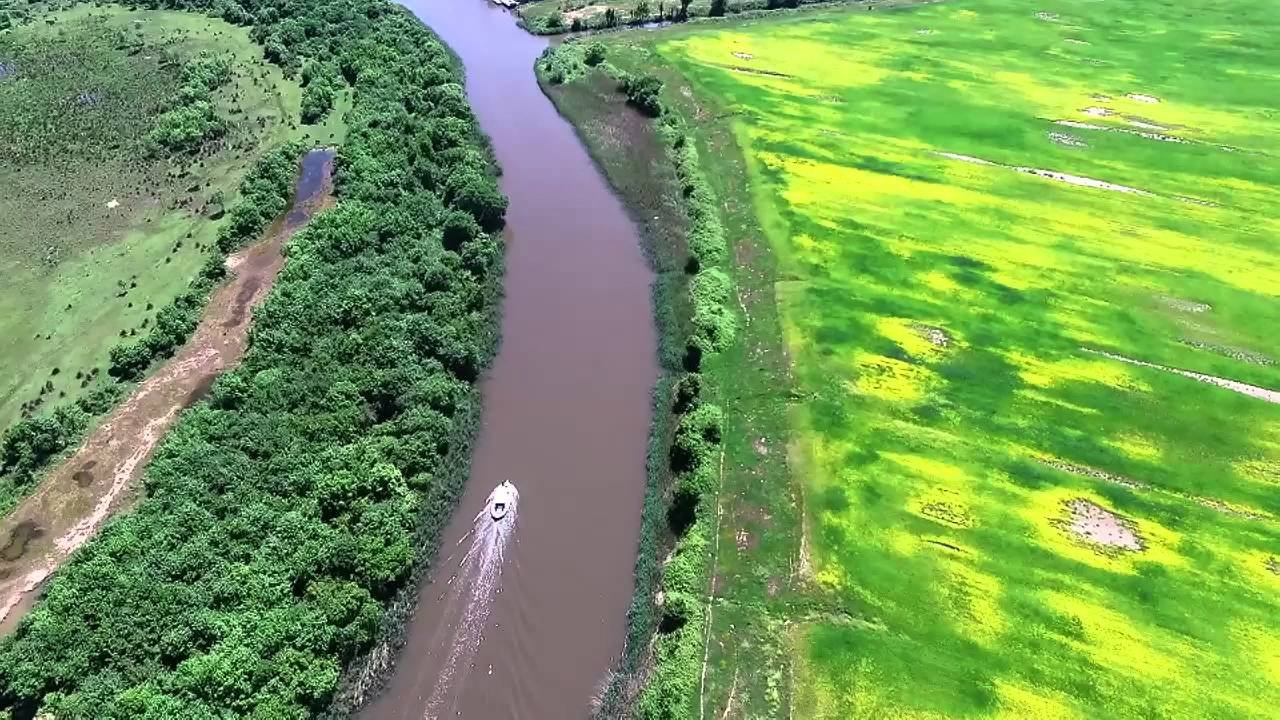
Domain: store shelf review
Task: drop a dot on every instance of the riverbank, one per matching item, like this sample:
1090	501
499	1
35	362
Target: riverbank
581	17
727	651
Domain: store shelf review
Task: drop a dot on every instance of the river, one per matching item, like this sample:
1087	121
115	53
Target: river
566	412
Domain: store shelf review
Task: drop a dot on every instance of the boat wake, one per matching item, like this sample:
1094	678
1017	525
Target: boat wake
469	596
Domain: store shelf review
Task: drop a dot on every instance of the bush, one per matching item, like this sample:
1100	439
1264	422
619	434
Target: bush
31	444
477	195
696	439
714	325
187	127
672	690
317	101
687	391
562	63
642	92
321	84
594	54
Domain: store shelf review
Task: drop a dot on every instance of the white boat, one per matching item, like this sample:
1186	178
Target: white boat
501	500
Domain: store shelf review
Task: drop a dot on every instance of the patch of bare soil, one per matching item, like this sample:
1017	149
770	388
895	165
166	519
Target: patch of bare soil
1051	175
1099	526
935	335
1273	565
1067	140
1145	124
1147	99
1103	128
584	13
100	478
1187	306
756	71
947	514
744	56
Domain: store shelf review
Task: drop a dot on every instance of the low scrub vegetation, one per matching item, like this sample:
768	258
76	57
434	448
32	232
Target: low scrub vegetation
192	119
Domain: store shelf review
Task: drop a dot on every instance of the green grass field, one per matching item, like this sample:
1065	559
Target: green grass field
999	520
98	235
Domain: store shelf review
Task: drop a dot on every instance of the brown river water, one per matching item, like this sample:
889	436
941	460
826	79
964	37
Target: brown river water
566	418
100	478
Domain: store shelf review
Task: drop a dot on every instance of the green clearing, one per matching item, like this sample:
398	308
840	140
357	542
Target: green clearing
948	422
100	234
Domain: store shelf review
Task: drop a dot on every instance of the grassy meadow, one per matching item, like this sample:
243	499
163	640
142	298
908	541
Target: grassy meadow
980	212
100	231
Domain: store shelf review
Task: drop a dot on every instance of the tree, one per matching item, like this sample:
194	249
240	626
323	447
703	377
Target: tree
476	194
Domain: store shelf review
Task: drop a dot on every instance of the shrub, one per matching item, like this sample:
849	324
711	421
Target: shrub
696	437
317	100
476	194
714	325
187	127
642	92
687	391
594	54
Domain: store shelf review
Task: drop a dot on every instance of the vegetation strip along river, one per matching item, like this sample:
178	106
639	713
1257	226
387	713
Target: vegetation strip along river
566	410
99	479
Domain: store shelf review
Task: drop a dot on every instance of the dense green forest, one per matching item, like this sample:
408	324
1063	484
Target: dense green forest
283	514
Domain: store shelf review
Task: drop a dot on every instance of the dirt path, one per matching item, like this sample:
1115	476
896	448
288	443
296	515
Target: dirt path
100	479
